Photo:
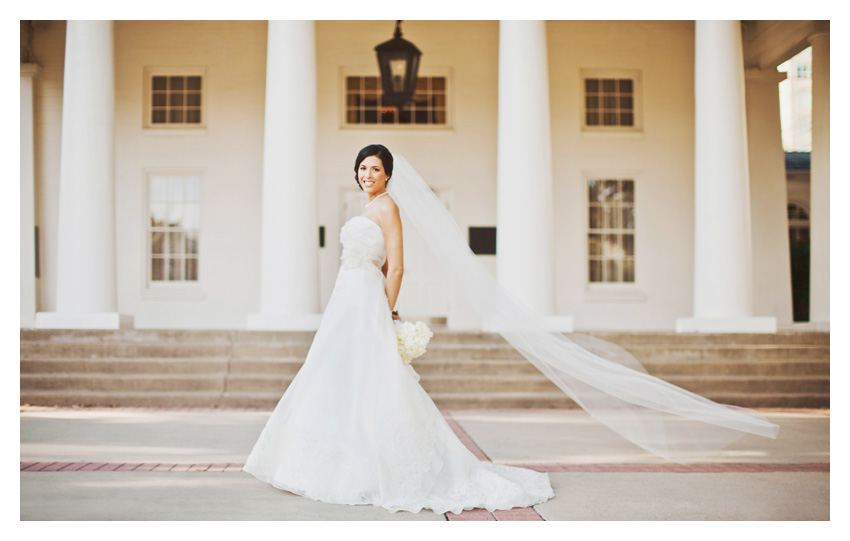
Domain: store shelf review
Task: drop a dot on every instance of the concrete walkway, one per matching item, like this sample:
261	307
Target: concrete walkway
159	464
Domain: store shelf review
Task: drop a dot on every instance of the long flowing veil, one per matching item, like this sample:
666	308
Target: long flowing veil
604	379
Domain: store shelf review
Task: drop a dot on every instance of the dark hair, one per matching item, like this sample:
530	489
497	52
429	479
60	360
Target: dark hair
382	153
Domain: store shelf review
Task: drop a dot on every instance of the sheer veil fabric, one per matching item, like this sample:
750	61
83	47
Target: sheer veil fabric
604	379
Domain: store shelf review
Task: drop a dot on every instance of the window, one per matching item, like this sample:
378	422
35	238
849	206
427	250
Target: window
363	105
798	222
173	227
174	98
611	231
610	100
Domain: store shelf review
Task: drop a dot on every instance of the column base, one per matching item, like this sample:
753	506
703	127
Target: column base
273	322
561	324
726	324
68	320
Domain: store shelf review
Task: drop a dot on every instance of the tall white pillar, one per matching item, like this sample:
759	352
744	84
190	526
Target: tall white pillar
28	285
768	198
86	295
723	275
524	239
289	265
819	215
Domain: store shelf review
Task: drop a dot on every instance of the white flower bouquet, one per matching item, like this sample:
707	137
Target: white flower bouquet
412	339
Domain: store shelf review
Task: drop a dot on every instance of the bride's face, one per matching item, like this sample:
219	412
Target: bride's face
372	176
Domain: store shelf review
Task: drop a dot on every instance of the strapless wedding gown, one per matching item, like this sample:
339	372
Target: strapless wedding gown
355	426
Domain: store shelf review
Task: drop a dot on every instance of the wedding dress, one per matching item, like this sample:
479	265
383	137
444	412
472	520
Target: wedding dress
355	426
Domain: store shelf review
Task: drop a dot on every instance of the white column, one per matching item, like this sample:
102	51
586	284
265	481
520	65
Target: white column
289	265
768	198
524	239
28	282
86	294
723	275
819	215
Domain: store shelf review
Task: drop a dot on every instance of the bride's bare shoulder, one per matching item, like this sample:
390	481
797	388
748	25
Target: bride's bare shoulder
387	209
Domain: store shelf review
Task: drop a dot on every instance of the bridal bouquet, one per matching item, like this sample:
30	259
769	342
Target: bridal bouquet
412	339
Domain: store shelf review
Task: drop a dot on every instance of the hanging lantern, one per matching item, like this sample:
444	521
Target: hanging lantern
398	60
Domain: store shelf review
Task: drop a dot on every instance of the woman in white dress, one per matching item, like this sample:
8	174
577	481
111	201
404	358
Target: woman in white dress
355	426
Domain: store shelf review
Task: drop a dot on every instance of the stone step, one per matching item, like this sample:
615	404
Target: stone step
122	383
760	367
128	365
150	399
93	350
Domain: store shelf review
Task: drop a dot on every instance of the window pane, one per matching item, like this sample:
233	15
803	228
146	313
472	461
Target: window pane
353	83
629	244
591	85
175	188
628	218
627	119
421	117
193	116
174	269
160	99
157	269
158	117
370	116
193	188
193	83
404	116
158	188
609	85
157	242
612	270
175	215
388	115
158	213
626	102
626	86
191	269
629	270
438	100
439	117
592	119
610	246
594	242
595	270
610	190
595	218
175	243
191	216
176	100
175	117
354	116
628	187
160	83
609	102
192	242
193	99
370	83
353	100
592	102
438	84
595	193
175	83
609	119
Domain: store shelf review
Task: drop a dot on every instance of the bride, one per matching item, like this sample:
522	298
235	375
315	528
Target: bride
355	426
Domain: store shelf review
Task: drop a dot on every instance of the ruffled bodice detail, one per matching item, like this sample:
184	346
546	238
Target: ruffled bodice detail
362	244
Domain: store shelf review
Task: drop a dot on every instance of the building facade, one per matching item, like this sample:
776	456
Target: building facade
629	174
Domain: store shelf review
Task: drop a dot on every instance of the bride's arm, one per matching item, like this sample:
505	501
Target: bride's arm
394	267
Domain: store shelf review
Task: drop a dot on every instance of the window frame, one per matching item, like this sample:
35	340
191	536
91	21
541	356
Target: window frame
169	289
637	95
371	71
149	72
612	292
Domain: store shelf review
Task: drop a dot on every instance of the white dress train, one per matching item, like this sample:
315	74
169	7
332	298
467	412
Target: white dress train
355	426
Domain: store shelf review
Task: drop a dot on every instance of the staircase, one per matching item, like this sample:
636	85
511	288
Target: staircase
235	368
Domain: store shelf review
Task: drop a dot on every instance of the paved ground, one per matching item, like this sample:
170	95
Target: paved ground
155	464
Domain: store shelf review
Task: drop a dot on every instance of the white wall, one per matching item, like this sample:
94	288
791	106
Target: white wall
228	152
660	160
